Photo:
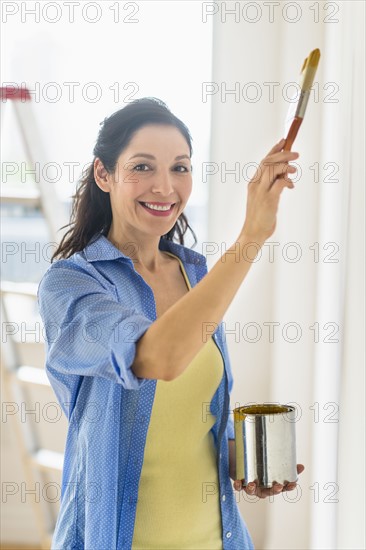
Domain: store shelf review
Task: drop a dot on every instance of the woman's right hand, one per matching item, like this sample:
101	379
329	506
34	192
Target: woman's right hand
264	191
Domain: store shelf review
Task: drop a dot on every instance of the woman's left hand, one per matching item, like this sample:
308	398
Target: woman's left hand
253	490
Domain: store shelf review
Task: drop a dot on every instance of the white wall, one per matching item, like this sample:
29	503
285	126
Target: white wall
254	45
351	453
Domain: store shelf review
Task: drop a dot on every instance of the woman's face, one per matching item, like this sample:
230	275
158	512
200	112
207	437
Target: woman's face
152	182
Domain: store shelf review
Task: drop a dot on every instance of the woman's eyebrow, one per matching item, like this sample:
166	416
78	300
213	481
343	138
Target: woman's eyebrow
146	155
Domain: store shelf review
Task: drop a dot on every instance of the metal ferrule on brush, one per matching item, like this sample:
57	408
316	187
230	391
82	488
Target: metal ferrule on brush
302	103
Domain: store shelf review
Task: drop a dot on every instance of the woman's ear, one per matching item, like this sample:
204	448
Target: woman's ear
101	176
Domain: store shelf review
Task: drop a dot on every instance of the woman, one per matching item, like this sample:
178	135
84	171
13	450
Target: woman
144	384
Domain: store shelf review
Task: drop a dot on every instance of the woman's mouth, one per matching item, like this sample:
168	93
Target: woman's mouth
158	208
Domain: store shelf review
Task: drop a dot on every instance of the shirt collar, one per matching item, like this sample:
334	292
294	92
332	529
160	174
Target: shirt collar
101	249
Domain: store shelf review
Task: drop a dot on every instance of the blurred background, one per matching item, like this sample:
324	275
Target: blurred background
295	330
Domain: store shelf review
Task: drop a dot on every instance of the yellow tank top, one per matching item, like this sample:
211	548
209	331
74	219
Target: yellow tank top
178	500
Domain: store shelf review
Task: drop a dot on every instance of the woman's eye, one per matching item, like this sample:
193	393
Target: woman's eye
182	166
138	165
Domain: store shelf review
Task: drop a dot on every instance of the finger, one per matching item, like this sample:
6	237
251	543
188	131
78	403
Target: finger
250	489
283	179
273	159
273	172
281	156
276	489
263	492
277	147
289	487
238	484
281	182
268	172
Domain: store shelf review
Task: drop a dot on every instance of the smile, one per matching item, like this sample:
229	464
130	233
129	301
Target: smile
158	209
158	206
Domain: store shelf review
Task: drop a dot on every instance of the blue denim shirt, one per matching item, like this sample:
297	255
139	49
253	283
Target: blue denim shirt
95	306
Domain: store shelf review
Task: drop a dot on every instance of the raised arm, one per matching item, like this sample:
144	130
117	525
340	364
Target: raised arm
168	346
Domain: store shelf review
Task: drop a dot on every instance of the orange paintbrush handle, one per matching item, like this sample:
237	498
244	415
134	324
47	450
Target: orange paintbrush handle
292	133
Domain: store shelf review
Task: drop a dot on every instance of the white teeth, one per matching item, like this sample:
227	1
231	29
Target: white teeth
157	207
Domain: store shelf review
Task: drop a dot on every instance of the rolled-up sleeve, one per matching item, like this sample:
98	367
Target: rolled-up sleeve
87	331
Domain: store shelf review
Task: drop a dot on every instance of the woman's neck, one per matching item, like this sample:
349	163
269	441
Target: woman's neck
144	250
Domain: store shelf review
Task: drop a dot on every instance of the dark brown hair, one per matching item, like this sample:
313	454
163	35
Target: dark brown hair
91	212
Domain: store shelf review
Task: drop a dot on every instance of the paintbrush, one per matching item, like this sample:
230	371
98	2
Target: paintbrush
297	108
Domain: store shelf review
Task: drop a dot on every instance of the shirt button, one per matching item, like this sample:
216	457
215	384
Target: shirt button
223	498
228	535
220	455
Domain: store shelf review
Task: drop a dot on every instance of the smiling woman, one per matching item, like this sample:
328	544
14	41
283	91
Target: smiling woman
149	201
139	337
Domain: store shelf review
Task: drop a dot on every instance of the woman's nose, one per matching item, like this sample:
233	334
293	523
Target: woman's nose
163	183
